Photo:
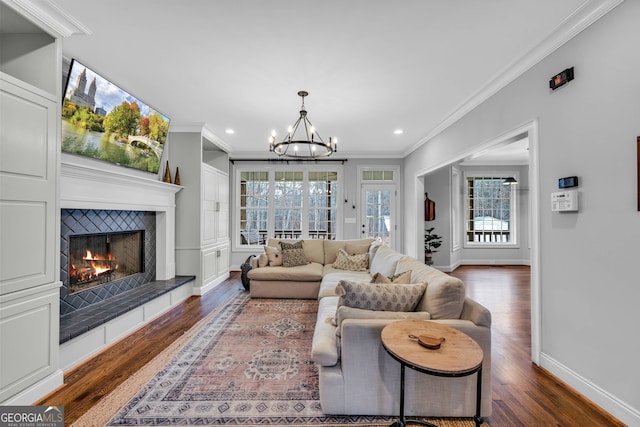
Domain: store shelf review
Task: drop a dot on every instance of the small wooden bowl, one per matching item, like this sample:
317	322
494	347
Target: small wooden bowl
428	341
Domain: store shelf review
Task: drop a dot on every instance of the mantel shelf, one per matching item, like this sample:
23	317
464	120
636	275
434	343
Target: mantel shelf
89	187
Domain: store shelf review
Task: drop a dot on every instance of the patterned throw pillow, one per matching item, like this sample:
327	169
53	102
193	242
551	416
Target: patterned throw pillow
274	255
293	254
380	296
358	262
403	278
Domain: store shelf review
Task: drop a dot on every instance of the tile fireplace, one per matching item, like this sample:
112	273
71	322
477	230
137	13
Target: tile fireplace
104	253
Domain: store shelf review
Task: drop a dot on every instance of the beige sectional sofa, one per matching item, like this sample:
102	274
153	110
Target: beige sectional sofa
356	374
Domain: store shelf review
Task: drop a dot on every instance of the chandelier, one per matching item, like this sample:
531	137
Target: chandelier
302	141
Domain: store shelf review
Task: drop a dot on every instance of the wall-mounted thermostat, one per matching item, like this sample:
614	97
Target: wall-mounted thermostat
564	201
568	182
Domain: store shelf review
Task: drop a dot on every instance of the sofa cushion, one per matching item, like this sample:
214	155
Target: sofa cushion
356	248
373	248
402	278
324	347
385	261
358	262
445	294
311	272
314	250
274	254
344	313
331	248
380	296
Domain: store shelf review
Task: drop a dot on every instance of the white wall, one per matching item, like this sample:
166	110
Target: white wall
437	186
588	272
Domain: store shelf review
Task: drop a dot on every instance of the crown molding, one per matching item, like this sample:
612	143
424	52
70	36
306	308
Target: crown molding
208	133
590	12
51	15
204	131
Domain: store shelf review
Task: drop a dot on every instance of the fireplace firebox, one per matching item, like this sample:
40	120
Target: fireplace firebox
99	258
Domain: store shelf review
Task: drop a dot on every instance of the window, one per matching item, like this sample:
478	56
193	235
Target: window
322	204
286	204
490	211
254	198
377	175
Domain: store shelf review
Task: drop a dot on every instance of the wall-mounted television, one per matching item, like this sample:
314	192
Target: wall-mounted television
102	121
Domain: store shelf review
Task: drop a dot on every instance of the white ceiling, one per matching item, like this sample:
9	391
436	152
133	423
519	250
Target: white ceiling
370	66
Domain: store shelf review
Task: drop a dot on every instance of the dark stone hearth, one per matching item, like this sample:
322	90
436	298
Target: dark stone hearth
80	321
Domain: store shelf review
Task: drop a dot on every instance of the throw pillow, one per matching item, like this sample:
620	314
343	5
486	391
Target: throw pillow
403	278
263	260
294	245
274	255
358	262
293	254
380	296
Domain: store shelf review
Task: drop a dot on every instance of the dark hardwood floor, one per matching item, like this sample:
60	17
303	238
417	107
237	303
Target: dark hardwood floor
523	394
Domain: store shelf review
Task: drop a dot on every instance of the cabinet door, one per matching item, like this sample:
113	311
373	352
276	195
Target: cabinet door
209	205
209	265
29	151
222	232
223	259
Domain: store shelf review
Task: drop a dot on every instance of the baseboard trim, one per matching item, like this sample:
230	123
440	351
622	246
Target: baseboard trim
451	267
591	391
209	286
35	392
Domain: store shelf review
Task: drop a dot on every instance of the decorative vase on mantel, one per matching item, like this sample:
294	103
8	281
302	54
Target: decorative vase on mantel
167	173
176	180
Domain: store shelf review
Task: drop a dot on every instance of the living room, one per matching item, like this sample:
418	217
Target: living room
575	130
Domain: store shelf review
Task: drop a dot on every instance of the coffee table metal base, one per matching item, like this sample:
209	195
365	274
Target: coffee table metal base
402	422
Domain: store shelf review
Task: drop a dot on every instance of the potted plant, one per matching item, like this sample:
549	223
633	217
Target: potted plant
431	243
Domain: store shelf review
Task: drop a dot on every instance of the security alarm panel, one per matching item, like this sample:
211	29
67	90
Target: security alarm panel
564	201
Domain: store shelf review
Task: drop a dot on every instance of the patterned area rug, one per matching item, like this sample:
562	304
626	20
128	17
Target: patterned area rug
248	364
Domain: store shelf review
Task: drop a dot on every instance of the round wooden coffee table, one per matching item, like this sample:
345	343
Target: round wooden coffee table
458	356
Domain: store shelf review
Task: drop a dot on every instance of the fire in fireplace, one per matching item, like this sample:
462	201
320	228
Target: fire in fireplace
96	259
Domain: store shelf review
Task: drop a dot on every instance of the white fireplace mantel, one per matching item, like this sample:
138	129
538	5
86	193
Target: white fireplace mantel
86	186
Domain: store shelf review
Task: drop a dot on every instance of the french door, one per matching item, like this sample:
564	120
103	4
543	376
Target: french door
378	213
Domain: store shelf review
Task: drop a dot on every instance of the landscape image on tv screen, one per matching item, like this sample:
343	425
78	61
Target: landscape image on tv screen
102	121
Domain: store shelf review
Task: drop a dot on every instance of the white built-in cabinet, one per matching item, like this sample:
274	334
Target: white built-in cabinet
202	208
30	98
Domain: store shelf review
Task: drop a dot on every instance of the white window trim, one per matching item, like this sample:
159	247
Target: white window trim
515	241
457	213
239	168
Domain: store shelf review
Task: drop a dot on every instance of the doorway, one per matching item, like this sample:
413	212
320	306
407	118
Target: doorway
378	213
529	130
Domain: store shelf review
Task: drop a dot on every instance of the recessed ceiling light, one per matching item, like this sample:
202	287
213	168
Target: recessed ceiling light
230	131
398	132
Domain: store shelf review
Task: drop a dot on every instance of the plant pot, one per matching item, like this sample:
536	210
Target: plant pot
428	258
